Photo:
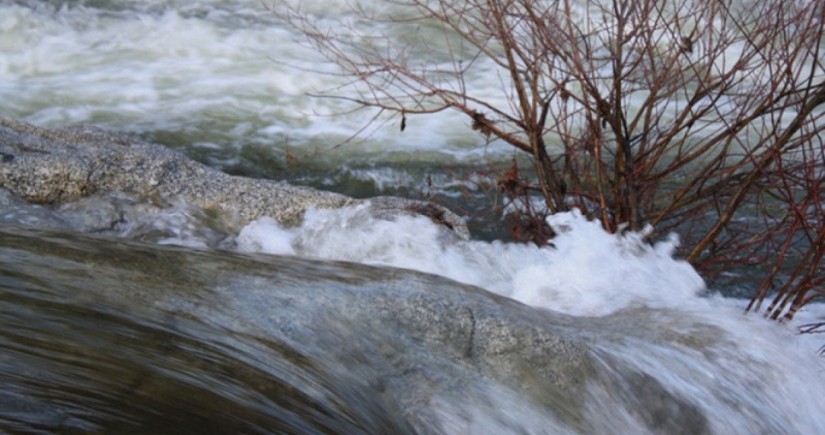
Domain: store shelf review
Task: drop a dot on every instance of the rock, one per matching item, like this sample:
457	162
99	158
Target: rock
342	347
60	165
388	206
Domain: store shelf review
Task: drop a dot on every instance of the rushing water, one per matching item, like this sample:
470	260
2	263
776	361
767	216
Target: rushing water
101	335
221	79
225	83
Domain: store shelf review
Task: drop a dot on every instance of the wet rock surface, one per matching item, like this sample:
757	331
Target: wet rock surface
366	348
56	166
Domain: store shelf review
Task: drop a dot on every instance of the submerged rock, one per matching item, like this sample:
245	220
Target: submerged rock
56	166
181	340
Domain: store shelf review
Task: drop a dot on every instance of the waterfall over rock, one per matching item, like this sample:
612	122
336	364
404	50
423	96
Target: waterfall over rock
372	349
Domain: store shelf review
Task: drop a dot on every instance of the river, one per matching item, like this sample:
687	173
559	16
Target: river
227	84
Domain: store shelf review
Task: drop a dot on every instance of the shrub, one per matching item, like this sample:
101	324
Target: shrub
701	116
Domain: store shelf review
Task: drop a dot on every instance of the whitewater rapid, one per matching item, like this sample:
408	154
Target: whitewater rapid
222	81
228	84
586	271
210	74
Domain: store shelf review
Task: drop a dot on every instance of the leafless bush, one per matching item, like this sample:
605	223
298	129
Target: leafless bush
703	116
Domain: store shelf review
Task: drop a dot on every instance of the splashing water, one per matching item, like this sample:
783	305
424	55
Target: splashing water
733	373
587	272
219	79
694	342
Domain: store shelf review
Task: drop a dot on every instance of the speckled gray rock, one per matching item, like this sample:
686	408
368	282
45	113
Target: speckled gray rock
53	166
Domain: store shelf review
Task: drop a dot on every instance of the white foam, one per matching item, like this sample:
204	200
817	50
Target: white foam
587	272
592	272
265	235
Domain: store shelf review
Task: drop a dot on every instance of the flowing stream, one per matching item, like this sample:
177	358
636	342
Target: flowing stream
119	332
101	334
